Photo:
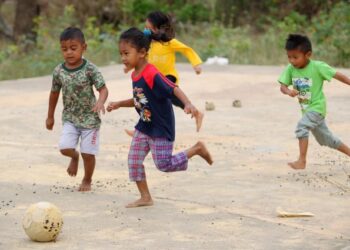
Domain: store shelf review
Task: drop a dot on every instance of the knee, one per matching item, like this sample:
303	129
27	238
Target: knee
162	165
67	151
302	132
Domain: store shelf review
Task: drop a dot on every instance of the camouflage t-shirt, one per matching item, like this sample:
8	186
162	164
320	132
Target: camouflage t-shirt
78	94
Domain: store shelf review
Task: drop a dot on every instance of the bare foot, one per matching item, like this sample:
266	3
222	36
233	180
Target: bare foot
299	164
142	202
129	132
204	153
85	186
199	119
72	169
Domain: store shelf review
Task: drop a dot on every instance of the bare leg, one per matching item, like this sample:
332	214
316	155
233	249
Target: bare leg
199	119
145	200
199	149
301	162
344	149
129	132
73	165
89	166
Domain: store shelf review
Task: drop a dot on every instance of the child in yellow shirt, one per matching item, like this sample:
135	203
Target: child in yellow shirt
162	54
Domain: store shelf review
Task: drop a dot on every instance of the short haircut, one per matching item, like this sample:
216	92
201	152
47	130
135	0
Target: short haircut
71	33
300	42
136	38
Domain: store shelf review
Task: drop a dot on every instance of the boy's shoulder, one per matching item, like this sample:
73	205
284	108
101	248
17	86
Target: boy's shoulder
319	63
91	69
58	69
90	65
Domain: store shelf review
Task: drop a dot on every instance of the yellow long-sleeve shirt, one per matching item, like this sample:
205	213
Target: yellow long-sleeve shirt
162	55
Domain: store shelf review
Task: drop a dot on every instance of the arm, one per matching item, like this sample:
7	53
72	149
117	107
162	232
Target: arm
342	78
50	120
116	105
189	53
285	90
189	108
103	94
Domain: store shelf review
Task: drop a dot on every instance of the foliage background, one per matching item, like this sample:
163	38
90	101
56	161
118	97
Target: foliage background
246	32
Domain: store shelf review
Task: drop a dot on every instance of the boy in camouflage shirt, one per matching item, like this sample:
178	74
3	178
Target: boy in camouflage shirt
80	115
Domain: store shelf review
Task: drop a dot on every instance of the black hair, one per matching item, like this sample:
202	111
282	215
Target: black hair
136	38
300	42
72	33
164	24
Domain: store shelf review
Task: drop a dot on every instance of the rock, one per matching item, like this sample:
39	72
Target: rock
237	104
209	106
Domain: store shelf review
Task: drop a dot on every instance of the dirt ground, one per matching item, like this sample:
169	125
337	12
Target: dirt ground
230	205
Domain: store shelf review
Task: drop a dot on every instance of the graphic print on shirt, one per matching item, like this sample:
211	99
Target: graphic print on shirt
140	101
303	85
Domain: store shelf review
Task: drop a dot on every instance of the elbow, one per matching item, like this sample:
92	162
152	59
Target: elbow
282	89
103	91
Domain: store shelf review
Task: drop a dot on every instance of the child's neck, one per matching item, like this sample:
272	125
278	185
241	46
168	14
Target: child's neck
307	63
75	65
140	66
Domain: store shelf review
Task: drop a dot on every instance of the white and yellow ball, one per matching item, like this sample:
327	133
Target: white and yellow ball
42	222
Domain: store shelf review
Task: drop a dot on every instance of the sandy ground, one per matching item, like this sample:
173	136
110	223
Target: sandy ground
230	205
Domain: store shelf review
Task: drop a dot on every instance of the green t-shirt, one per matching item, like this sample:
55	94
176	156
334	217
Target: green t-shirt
78	94
309	82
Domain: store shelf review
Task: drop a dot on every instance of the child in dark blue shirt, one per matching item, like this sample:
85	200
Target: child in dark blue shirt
155	131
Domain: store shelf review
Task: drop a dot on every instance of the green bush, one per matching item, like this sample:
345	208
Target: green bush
42	59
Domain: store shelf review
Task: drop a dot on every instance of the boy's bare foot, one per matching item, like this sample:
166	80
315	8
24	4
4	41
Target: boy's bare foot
299	164
85	186
129	132
203	152
73	165
199	119
142	202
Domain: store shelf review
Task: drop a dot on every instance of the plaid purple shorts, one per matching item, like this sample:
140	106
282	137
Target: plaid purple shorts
162	156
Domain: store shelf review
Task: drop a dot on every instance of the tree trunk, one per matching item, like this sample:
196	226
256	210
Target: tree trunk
26	11
5	29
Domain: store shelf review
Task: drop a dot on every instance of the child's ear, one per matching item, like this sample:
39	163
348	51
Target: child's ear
84	46
308	54
143	52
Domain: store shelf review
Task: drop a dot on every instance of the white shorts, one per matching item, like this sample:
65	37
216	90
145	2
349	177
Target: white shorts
89	138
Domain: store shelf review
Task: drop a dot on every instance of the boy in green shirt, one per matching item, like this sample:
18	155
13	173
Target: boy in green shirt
80	115
306	77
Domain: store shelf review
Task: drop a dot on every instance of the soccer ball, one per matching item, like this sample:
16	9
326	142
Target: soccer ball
42	221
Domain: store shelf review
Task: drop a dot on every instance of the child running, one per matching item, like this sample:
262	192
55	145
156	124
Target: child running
80	116
307	77
155	130
162	54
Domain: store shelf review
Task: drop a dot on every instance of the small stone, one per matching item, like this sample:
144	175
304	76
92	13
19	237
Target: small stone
209	106
237	103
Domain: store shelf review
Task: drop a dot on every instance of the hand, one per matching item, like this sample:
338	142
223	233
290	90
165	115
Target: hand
197	69
112	106
49	123
99	107
293	92
190	109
